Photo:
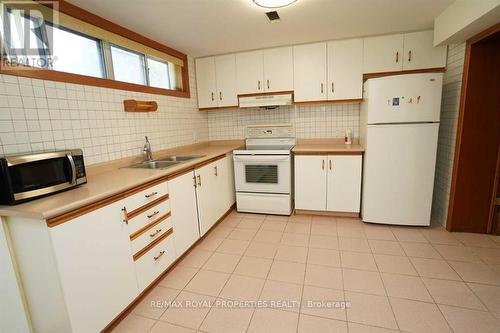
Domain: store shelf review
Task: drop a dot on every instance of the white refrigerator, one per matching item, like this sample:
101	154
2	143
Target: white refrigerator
399	125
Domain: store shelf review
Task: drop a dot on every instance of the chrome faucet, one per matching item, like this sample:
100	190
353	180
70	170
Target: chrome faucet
147	150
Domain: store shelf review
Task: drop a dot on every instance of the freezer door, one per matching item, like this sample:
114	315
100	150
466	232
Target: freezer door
404	98
398	173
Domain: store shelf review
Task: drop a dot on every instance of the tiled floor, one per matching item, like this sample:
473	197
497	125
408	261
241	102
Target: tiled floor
294	275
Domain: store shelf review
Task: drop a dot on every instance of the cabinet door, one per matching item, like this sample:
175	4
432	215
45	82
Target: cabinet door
383	54
419	51
310	182
345	69
225	72
309	72
96	268
344	183
207	197
205	82
183	208
249	72
278	69
221	171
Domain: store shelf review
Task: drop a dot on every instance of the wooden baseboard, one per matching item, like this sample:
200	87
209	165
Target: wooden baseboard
324	213
153	284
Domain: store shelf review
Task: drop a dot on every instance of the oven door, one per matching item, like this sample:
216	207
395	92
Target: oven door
262	173
39	174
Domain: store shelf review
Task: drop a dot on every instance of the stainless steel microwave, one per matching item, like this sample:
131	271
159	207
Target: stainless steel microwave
26	177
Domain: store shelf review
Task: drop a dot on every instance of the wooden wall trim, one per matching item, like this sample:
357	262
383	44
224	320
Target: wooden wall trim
150	225
349	100
326	152
219	108
147	206
151	245
413	71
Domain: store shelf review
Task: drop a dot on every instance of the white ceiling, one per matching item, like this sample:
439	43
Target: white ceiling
206	27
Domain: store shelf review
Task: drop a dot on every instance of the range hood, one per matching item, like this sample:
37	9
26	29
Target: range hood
265	101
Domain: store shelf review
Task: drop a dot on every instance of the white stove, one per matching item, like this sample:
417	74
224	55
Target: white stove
263	170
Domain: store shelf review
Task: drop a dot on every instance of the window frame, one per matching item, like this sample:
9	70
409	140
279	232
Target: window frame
146	57
111	45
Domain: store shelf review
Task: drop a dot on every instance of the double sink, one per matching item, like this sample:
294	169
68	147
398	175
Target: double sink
165	162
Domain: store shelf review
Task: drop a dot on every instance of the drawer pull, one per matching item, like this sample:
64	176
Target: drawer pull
156	212
155	233
151	194
159	255
215	171
125	216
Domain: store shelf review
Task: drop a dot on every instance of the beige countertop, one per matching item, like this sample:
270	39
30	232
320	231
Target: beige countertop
326	146
107	179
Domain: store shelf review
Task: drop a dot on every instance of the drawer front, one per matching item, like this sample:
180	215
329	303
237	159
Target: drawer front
149	216
155	261
146	196
151	234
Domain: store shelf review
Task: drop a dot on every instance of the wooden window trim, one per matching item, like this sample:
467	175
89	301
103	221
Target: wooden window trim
82	14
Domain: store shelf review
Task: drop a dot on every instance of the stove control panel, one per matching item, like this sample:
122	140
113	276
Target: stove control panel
270	131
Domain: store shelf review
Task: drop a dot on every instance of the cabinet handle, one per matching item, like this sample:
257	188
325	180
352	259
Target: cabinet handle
322	88
159	255
156	212
323	165
333	87
194	181
215	170
220	95
267	84
258	85
155	233
199	180
151	194
213	98
409	56
397	56
125	217
330	162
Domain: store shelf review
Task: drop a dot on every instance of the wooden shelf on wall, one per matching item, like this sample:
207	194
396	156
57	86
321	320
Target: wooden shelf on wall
131	105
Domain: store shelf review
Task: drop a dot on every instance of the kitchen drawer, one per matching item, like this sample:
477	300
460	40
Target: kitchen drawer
148	216
145	197
155	261
154	232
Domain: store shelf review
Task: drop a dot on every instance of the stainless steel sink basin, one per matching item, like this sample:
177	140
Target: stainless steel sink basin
155	164
182	158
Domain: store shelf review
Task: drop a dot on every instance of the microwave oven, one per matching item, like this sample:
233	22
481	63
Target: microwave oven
30	176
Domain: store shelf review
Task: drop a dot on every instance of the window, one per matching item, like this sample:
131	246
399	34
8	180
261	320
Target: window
158	74
128	66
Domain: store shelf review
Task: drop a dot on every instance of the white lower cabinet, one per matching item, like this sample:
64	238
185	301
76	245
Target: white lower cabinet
328	183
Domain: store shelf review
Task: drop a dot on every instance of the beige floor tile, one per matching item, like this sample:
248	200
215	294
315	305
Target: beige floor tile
210	243
475	240
265	236
222	262
323	302
440	236
377	232
354	244
279	218
261	250
490	256
324	242
274	225
242	288
282	295
359	328
452	293
254	267
242	234
370	310
300	218
207	283
413	316
227	319
386	247
406	286
189	310
311	324
134	324
394	264
153	305
233	246
470	321
433	268
221	231
250	223
273	321
317	219
404	234
323	257
475	272
457	253
324	276
363	282
231	222
178	277
324	229
252	216
195	258
357	260
287	272
489	295
350	231
420	250
298	228
291	253
162	327
295	239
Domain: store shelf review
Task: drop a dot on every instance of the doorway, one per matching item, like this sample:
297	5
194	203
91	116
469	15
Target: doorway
473	205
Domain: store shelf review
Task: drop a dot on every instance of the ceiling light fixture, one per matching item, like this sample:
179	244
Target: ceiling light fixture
273	3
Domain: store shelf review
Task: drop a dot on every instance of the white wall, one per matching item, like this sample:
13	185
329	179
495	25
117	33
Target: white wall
45	115
452	84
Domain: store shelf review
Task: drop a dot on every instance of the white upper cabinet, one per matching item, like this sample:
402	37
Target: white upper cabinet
345	69
250	72
383	54
309	72
205	82
278	69
419	51
225	74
